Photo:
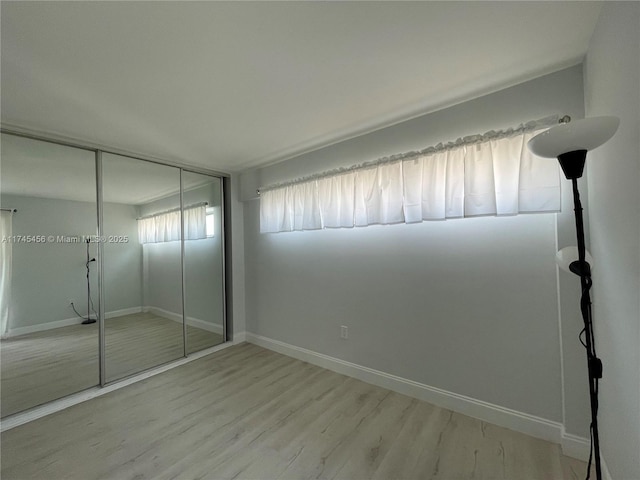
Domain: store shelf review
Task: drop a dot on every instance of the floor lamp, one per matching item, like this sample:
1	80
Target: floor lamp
89	320
569	143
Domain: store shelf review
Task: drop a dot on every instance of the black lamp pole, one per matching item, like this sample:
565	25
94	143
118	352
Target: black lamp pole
88	320
572	164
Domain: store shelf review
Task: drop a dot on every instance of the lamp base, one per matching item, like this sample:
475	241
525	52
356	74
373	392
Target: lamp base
572	163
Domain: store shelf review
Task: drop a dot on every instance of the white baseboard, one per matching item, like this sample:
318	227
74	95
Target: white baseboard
194	322
16	332
575	446
123	312
239	337
191	321
41	327
505	417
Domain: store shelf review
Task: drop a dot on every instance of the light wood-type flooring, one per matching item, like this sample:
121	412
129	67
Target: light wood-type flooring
248	413
44	366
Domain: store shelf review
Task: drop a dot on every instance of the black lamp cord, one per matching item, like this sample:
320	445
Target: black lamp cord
89	288
595	373
594	365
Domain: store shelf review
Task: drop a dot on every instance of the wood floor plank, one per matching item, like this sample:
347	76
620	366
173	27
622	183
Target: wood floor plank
249	413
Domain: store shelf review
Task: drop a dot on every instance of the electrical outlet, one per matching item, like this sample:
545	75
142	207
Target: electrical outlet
344	332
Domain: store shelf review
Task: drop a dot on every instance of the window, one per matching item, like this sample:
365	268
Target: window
209	219
491	174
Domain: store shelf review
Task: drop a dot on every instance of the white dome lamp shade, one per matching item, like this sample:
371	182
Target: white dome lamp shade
569	142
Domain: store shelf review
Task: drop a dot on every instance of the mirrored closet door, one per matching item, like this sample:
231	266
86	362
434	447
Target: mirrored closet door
203	260
142	265
48	283
111	265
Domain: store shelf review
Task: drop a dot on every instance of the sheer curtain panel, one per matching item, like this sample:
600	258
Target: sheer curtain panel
195	222
165	227
492	175
5	271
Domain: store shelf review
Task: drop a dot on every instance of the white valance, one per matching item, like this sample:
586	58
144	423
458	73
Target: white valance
494	174
6	230
165	227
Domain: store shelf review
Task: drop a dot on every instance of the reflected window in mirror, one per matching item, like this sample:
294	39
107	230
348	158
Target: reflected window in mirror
210	222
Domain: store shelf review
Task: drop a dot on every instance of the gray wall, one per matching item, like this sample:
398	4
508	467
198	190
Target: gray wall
203	263
470	306
46	276
612	87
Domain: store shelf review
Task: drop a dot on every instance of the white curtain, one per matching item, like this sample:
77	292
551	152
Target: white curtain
165	227
195	222
494	176
5	272
336	200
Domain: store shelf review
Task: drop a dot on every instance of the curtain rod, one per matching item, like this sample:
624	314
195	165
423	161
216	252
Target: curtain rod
12	210
462	141
171	210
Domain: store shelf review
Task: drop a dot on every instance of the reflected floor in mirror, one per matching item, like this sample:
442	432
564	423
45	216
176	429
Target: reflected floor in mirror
143	340
245	412
39	367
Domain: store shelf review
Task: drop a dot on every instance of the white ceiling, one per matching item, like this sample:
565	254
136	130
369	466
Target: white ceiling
231	85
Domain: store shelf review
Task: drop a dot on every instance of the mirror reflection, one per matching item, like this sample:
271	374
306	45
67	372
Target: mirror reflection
161	298
48	281
203	259
142	265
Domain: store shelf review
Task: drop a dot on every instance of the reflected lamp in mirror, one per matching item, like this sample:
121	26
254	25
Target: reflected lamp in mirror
568	259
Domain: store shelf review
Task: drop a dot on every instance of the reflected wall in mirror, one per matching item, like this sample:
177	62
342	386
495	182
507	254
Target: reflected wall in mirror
142	265
203	261
48	283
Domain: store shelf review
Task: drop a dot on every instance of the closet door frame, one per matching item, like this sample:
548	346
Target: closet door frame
100	260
